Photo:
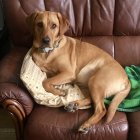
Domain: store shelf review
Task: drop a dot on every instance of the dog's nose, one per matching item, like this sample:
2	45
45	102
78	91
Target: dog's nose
46	40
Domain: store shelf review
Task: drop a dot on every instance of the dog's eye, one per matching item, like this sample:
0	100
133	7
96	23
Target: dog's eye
53	26
40	24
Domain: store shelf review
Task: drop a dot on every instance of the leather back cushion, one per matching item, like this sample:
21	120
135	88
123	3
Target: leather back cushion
87	18
127	15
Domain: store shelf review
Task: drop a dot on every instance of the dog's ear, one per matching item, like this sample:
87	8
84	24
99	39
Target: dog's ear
31	20
64	24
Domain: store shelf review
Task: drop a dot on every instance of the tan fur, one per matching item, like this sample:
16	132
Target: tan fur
80	62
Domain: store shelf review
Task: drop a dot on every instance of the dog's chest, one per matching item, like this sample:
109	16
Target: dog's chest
45	64
50	70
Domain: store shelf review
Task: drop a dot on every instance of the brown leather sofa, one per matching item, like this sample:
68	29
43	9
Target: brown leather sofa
113	25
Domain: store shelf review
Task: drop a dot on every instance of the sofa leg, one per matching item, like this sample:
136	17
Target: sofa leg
17	114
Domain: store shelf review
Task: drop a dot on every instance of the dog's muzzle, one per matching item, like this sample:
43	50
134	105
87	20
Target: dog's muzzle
44	49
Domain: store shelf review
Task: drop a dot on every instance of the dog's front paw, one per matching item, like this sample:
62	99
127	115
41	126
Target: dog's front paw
62	93
71	107
49	87
58	92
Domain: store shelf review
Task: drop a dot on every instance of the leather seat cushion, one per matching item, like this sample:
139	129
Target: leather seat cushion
56	124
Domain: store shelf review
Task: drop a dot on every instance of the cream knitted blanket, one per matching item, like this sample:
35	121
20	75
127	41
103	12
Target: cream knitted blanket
32	77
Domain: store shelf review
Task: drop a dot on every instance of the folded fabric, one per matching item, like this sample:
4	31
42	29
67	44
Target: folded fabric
132	102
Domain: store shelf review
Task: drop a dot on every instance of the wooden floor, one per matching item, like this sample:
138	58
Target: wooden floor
7	131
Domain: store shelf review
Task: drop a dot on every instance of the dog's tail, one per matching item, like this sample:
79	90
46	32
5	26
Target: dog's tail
118	98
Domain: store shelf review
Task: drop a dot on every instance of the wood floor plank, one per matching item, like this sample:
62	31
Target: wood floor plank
7	131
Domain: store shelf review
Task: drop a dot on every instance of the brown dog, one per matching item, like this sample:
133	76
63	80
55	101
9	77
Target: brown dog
67	60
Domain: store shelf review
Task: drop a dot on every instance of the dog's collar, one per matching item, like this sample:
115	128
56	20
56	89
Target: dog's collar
47	49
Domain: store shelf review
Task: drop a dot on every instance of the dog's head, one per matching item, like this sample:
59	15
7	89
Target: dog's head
47	28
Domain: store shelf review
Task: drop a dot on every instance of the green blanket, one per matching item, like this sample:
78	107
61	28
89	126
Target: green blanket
132	102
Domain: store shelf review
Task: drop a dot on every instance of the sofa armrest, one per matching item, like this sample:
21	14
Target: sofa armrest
18	103
11	93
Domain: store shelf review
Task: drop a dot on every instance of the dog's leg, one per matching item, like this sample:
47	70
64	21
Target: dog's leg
73	106
97	95
61	78
99	113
